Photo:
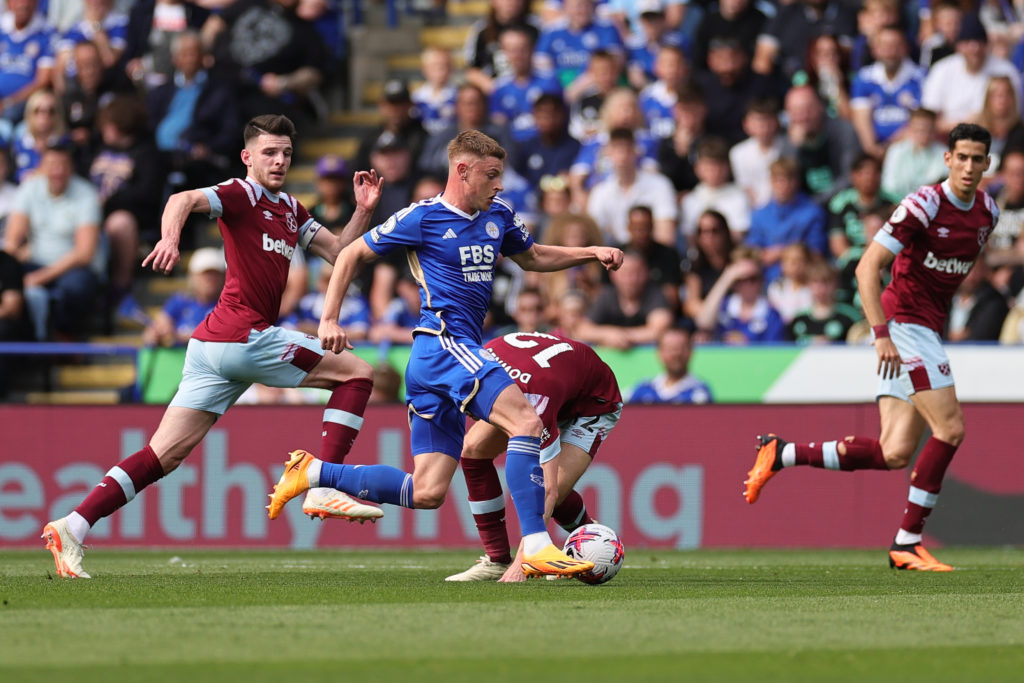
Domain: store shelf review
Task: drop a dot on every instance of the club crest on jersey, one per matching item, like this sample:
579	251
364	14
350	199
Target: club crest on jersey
983	234
492	230
944	369
291	223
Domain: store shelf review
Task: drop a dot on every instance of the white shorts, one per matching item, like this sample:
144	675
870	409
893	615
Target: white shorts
586	433
924	362
217	373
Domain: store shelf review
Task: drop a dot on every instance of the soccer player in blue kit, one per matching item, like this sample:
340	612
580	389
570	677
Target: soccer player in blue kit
453	243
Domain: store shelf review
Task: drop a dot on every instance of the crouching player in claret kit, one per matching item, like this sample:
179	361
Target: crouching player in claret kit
577	398
931	241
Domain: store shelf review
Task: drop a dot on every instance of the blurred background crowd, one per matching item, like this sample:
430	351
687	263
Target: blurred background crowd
741	152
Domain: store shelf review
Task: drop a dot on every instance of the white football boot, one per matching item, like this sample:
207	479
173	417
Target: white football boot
67	551
483	570
326	503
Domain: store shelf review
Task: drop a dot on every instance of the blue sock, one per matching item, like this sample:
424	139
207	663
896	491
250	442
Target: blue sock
376	483
526	482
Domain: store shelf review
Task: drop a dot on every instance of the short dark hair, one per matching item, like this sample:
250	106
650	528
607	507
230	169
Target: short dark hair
864	158
972	132
713	148
768	106
622	134
554	99
268	124
641	208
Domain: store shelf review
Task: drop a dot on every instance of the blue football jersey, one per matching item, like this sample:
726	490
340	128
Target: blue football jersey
566	52
514	100
23	52
659	390
890	101
452	255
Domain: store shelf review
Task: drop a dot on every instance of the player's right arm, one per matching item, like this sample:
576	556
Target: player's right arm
869	285
179	206
351	258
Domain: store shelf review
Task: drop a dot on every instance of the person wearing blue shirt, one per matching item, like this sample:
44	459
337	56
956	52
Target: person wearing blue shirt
736	310
675	385
564	47
26	57
453	242
790	216
511	102
884	93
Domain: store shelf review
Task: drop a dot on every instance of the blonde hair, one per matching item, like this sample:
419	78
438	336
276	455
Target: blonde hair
60	126
555	233
475	143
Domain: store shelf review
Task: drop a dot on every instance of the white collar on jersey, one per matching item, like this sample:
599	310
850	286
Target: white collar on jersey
953	199
456	210
260	189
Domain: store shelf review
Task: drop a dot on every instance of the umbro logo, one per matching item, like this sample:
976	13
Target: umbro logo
449	235
269	216
943	232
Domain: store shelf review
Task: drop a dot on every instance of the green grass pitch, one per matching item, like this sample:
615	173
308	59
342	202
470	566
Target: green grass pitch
388	616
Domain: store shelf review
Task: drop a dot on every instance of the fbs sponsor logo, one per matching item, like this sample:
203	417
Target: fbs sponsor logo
278	246
953	266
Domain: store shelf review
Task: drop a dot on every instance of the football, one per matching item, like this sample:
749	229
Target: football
600	545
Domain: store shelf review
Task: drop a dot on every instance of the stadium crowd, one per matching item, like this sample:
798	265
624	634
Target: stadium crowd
741	152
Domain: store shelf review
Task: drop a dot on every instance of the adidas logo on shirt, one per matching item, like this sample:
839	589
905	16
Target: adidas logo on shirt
449	235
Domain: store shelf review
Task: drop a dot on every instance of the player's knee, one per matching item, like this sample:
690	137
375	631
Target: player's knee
429	498
953	433
898	455
529	424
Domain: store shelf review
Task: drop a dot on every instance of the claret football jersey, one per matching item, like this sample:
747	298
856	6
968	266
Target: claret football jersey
936	239
261	231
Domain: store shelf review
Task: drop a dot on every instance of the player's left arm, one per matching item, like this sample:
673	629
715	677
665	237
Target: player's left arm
366	190
546	258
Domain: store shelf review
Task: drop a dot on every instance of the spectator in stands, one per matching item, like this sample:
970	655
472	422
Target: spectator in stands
550	151
658	100
483	61
825	320
884	93
402	314
915	160
709	254
790	293
587	95
790	216
196	117
645	44
824	147
729	85
740	20
354	315
511	101
847	207
570	314
470	113
129	176
847	291
663	262
81	98
555	201
396	112
43	126
563	49
610	200
152	25
529	311
873	17
715	191
783	42
434	99
1004	251
674	385
334	205
940	31
180	314
13	321
1000	115
751	158
620	110
282	75
677	155
54	231
631	310
736	310
955	86
392	159
573	230
826	69
26	46
103	26
978	309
